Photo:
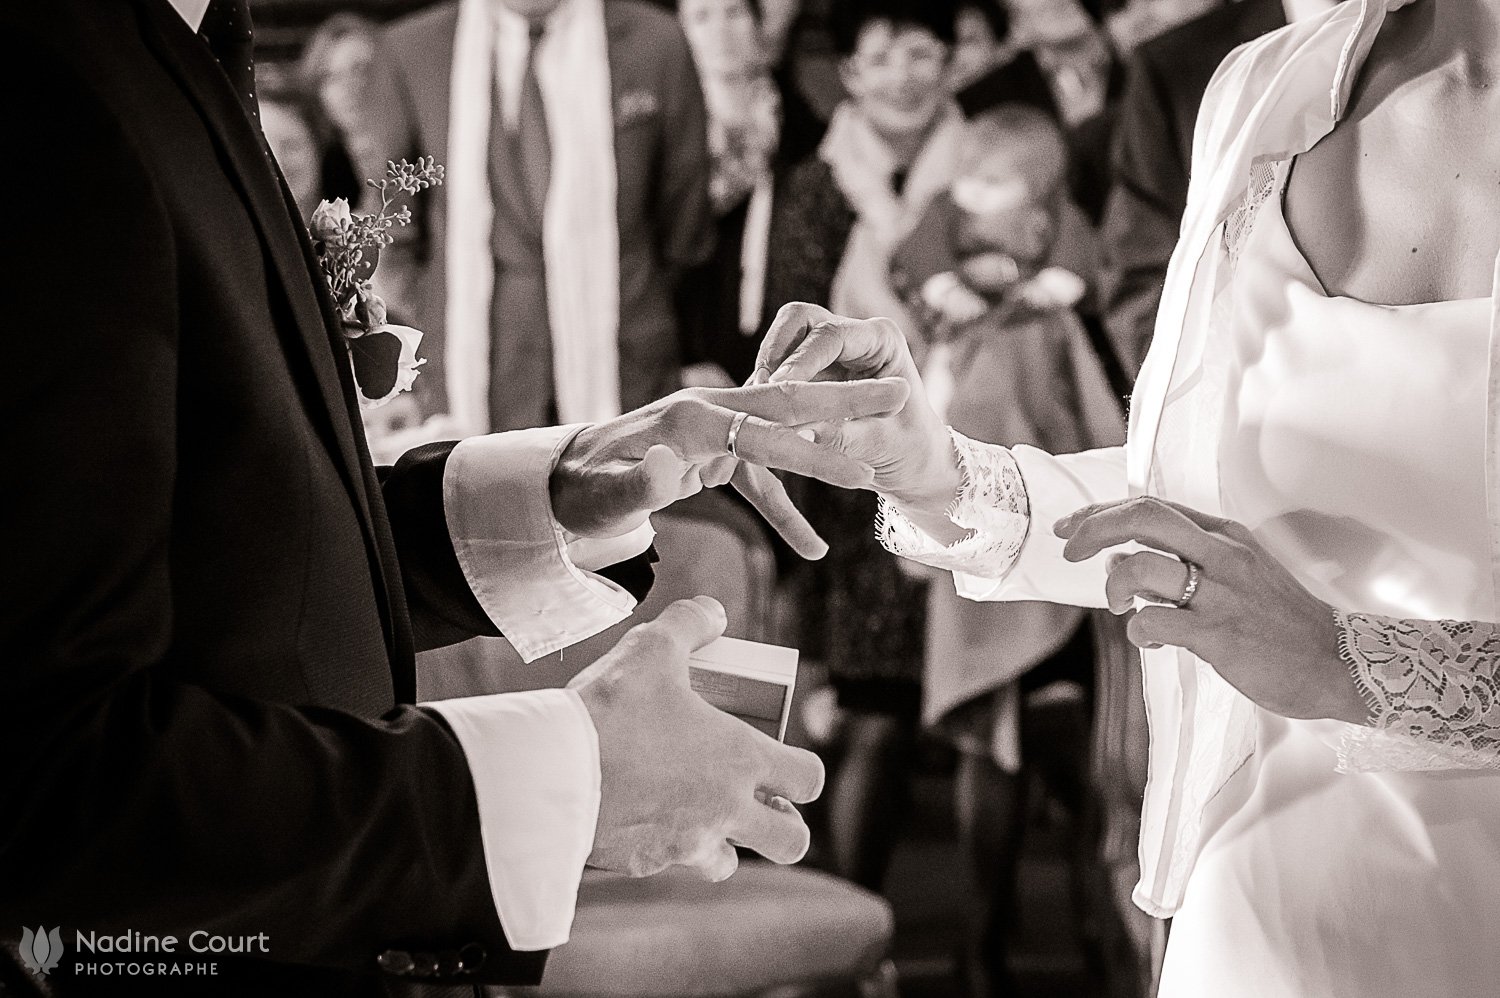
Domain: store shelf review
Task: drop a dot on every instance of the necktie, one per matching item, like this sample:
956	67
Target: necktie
227	30
535	148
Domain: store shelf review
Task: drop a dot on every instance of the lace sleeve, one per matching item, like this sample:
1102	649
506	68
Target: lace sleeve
1433	687
991	503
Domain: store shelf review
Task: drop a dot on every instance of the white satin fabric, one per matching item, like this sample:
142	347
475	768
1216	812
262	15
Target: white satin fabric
1353	447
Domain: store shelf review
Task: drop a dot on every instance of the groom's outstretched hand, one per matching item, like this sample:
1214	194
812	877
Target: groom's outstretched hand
613	475
683	783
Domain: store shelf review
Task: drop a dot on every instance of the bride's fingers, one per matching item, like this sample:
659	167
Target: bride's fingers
1146	574
769	497
1149	521
792	322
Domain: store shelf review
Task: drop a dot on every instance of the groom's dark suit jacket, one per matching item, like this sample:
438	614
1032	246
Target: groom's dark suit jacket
209	598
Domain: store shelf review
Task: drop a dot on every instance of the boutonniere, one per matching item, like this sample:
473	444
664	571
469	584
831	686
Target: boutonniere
634	105
348	245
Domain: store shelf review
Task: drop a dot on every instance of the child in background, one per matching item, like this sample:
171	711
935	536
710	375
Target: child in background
993	269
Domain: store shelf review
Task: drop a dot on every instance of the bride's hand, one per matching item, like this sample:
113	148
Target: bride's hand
910	450
1248	617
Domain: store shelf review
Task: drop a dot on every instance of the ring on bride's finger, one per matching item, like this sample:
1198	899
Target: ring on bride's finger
734	433
1189	588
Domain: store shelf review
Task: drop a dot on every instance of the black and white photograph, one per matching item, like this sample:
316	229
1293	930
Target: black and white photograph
750	499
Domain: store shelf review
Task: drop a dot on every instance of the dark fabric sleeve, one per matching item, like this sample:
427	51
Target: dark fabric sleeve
1020	80
132	798
684	206
810	225
928	249
443	608
1142	215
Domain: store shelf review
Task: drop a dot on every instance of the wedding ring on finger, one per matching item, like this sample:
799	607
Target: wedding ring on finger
1189	588
732	443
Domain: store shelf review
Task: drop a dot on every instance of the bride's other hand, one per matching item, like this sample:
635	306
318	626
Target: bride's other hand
1248	617
909	451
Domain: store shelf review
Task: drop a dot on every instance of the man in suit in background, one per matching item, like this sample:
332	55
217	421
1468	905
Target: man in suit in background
1153	143
211	599
576	142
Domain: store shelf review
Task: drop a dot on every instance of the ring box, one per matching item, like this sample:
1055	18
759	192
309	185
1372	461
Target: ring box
751	680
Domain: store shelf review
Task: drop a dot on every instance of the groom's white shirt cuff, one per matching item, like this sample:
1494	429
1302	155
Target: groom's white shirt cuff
534	758
535	581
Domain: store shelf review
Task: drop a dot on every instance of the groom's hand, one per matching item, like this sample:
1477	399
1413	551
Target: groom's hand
683	783
613	475
909	449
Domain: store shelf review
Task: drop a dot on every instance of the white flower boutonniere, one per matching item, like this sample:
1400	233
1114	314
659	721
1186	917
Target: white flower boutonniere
383	356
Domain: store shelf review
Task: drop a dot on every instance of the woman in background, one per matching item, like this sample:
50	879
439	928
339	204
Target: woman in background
334	70
890	148
759	127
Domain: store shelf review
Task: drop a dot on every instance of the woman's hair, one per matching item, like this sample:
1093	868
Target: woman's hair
850	17
995	14
316	55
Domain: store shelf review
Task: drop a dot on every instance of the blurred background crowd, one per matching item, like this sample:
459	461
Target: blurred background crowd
651	182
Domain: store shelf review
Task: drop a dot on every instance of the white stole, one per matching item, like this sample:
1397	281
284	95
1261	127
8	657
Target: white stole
862	166
580	228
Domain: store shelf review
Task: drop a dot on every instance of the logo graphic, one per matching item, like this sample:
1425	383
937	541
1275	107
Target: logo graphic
41	950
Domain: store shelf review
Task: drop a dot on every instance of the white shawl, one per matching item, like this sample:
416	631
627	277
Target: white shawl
862	166
580	229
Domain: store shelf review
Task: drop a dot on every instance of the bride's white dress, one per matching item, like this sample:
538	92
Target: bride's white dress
1301	859
1307	859
1356	456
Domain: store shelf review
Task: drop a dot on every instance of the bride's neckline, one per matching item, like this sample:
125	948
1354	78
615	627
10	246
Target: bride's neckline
1282	222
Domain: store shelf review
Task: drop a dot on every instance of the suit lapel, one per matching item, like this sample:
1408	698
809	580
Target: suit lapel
315	348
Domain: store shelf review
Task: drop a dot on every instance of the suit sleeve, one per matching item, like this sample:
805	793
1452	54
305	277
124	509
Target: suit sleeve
1142	215
131	799
686	213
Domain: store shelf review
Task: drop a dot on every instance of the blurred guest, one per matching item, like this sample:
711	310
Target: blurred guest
983	266
891	147
1138	21
758	126
1072	49
335	70
988	68
1166	79
543	270
287	121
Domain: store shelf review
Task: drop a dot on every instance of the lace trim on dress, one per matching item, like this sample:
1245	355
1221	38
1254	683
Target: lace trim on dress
1238	226
1433	688
991	502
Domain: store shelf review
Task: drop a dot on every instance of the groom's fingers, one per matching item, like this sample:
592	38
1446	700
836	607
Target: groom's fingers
790	772
772	445
769	497
654	482
773	829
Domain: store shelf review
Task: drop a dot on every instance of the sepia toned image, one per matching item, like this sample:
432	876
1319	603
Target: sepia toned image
751	499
